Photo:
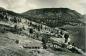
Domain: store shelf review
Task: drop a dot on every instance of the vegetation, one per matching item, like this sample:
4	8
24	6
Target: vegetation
54	17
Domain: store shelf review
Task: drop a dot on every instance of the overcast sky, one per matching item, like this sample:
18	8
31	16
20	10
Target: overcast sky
24	5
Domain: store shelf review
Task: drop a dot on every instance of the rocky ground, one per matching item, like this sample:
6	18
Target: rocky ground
8	47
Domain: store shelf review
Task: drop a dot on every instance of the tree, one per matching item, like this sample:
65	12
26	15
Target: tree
31	30
45	40
66	36
15	27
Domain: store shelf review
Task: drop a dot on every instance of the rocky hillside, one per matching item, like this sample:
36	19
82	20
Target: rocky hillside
17	32
63	18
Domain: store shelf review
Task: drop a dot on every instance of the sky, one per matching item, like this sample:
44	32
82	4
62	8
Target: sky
21	6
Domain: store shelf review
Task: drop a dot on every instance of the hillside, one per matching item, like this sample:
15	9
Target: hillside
64	18
21	36
54	17
84	18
